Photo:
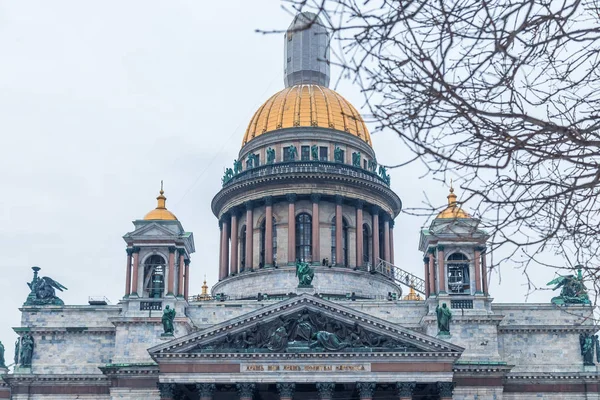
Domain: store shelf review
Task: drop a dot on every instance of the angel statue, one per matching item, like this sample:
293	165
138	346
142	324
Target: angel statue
304	273
43	291
572	289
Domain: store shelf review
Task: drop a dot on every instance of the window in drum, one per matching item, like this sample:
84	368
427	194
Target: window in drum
323	156
304	237
286	154
305	153
457	266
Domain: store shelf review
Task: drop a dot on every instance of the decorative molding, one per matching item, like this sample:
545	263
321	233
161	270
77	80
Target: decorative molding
206	389
440	247
375	210
338	199
172	249
269	201
286	389
315	197
246	389
426	259
405	389
547	328
325	389
181	252
392	223
291	197
249	205
136	249
166	389
129	251
365	389
186	262
445	389
359	204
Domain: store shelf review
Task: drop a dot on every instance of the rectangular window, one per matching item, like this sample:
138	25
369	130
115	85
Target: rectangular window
323	153
305	153
286	154
365	164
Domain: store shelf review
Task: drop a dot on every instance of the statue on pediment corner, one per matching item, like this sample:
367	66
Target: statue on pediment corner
586	342
572	289
43	291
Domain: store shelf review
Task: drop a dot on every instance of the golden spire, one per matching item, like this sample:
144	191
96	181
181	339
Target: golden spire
412	295
161	212
204	288
451	196
453	211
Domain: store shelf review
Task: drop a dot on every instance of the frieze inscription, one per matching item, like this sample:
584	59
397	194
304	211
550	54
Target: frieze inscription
306	367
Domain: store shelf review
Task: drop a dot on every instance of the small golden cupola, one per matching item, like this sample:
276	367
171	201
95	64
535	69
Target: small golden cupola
160	213
453	211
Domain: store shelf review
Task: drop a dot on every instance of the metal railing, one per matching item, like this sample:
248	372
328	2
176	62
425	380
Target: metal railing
400	276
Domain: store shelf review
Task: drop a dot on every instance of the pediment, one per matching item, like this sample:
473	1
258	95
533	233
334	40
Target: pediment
305	324
152	230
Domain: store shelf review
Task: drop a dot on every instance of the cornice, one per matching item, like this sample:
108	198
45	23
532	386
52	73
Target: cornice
68	330
435	356
16	379
548	328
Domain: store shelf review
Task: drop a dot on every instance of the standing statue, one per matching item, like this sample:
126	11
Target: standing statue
383	174
597	343
356	159
304	273
314	152
2	360
338	155
270	155
167	321
573	290
292	153
17	349
227	176
26	350
42	291
372	165
444	316
586	341
237	167
254	158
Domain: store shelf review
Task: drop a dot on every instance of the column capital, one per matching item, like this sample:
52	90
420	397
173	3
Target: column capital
366	389
135	249
225	217
426	259
405	389
246	389
431	250
172	249
338	199
375	209
166	389
440	247
269	200
445	389
392	223
286	390
129	251
481	249
359	204
249	205
206	389
291	197
315	197
181	252
325	389
186	262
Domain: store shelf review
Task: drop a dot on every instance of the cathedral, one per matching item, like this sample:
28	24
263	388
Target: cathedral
311	301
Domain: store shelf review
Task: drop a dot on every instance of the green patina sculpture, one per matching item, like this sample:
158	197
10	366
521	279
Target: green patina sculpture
356	159
270	155
237	167
338	155
327	340
444	316
43	291
292	153
227	176
305	274
17	350
2	360
314	152
372	165
383	174
586	342
573	290
27	344
252	161
167	321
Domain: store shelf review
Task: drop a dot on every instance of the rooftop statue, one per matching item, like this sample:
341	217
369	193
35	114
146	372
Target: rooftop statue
237	167
292	153
338	155
26	350
314	152
227	176
304	273
270	155
43	291
167	321
587	342
573	290
2	360
356	159
444	316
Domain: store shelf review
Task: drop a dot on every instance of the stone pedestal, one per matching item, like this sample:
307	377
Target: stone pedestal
305	289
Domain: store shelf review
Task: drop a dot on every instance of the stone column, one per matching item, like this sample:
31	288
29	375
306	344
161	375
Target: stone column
166	390
291	198
359	233
249	236
205	390
325	390
128	273
431	272
445	390
375	215
316	240
339	251
135	272
180	281
286	390
171	284
223	271
484	280
427	276
186	288
477	266
392	241
268	232
386	238
246	390
365	390
233	269
441	272
405	390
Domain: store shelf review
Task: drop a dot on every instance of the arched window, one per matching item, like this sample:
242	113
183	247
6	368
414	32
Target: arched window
304	237
457	266
365	243
344	261
263	229
243	248
154	276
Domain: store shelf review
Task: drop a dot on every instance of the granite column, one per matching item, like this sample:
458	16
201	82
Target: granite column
339	251
268	232
291	198
233	269
249	264
316	242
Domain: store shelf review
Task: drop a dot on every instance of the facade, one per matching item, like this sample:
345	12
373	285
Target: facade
309	302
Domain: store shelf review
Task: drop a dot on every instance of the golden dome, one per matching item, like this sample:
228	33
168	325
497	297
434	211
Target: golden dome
305	106
161	212
453	211
412	295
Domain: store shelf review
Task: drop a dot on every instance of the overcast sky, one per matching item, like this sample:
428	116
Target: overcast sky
99	101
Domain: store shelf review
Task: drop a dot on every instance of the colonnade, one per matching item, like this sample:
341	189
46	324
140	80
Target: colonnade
229	262
132	273
324	390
